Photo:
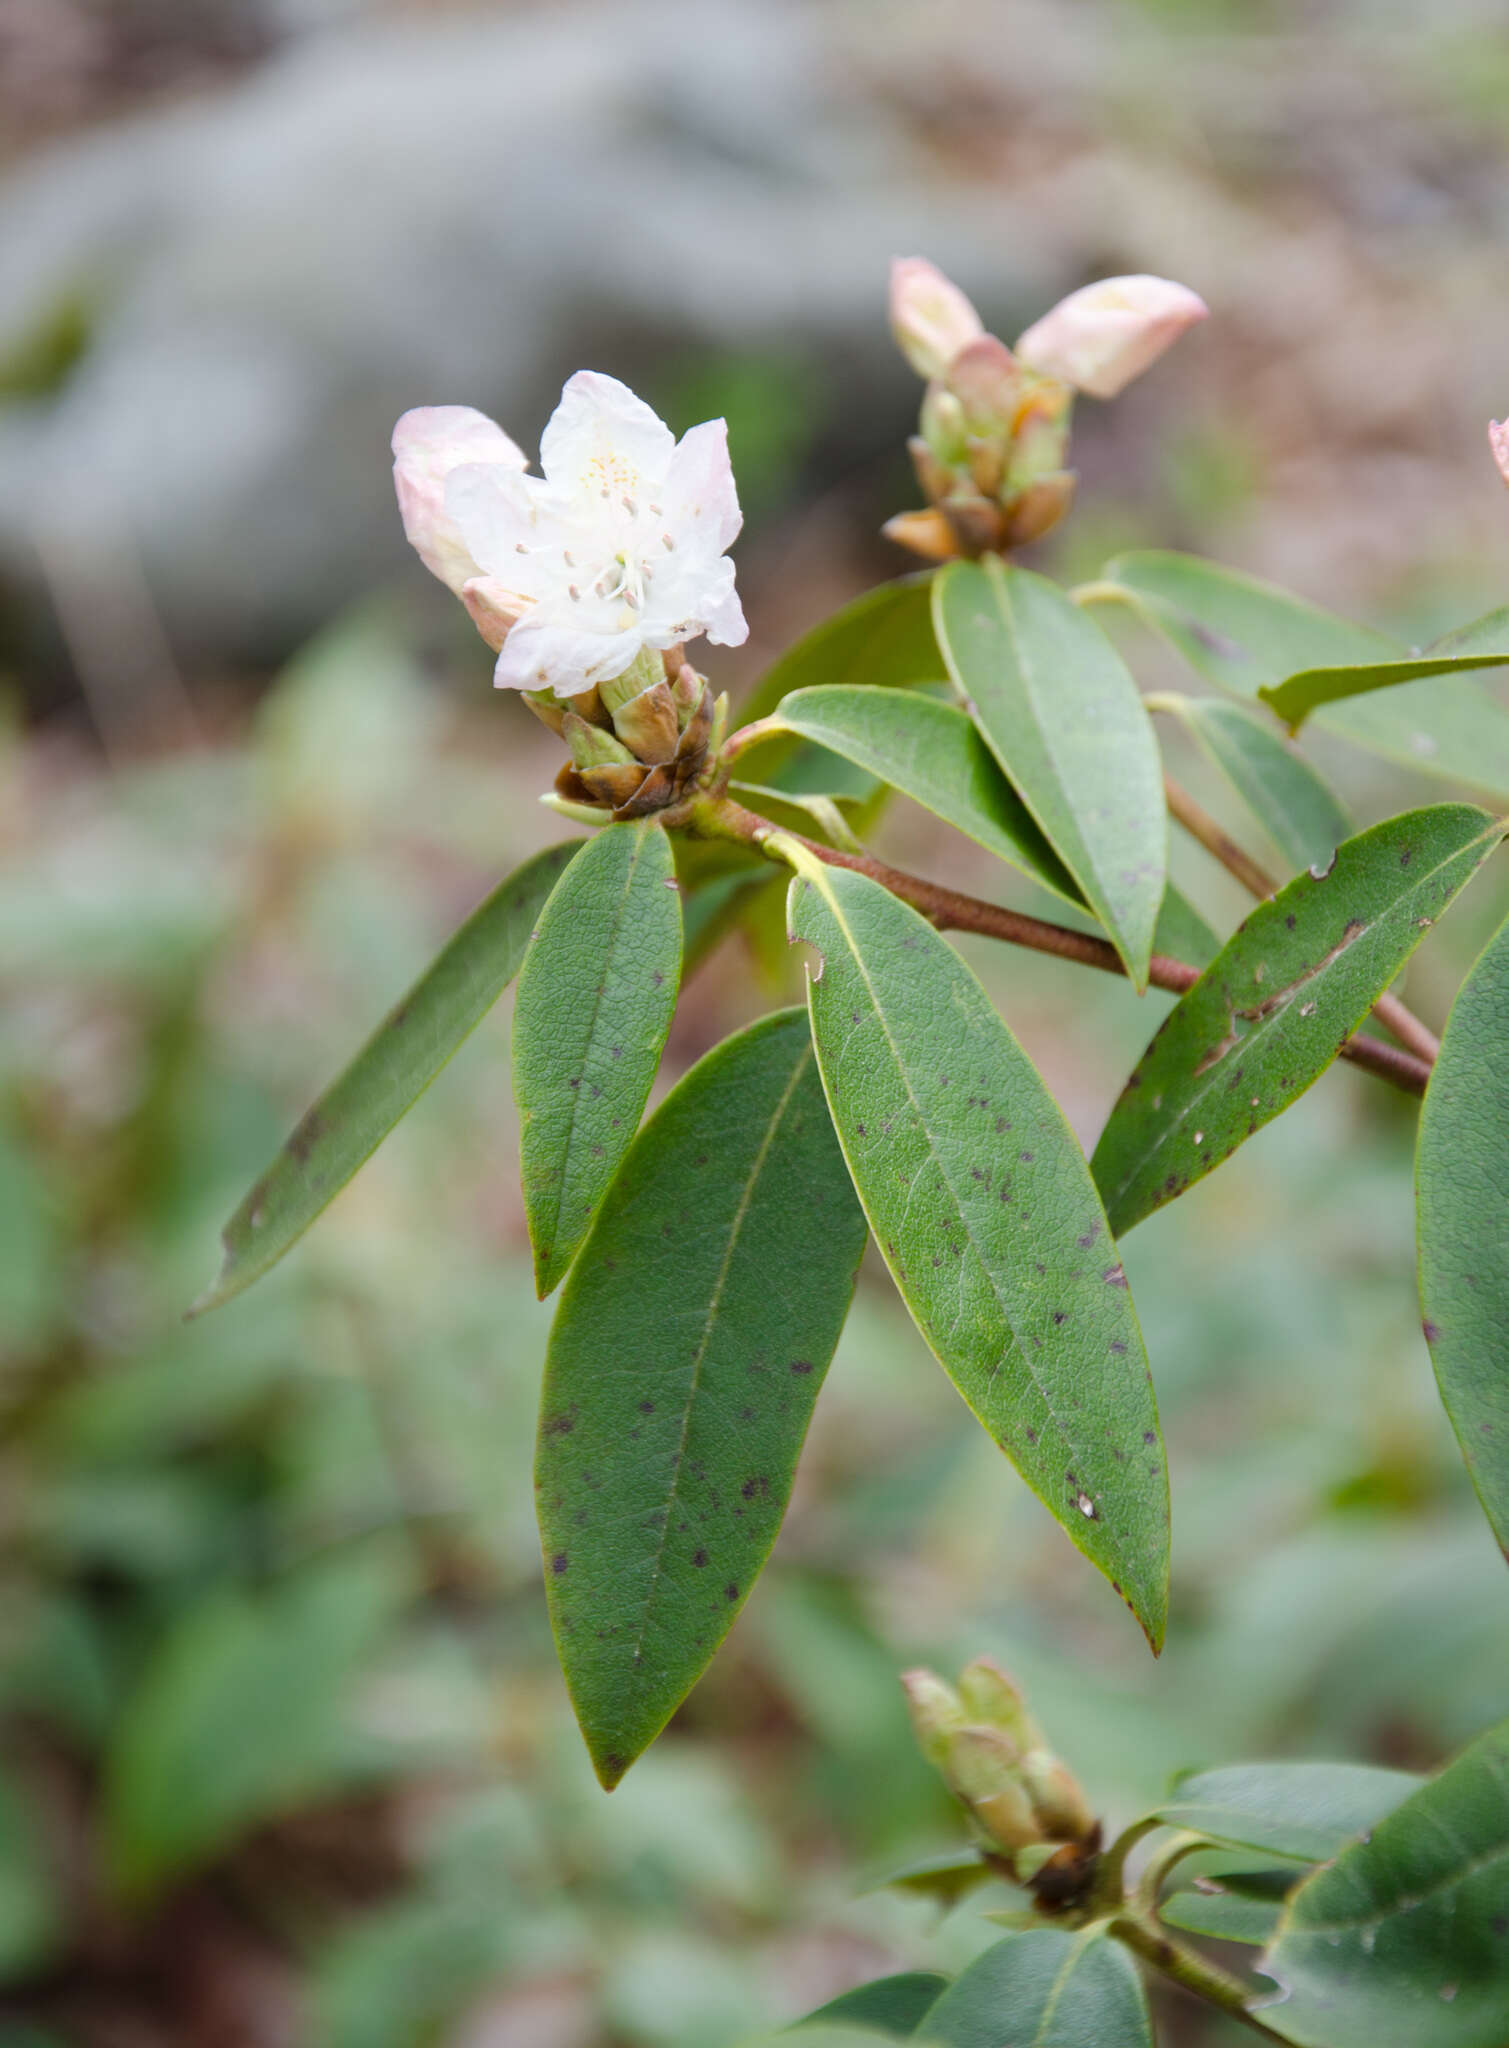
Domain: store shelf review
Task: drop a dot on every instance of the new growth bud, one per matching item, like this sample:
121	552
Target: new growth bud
1023	1802
994	428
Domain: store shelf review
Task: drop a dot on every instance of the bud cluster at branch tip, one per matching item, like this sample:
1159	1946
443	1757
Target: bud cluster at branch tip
994	428
588	579
1026	1808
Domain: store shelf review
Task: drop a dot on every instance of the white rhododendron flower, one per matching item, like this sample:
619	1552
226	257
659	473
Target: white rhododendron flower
1498	441
1102	336
428	444
930	317
616	549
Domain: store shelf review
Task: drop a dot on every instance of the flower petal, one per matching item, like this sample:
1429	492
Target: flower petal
538	656
603	439
494	609
428	444
1102	336
701	498
1498	441
497	513
720	613
930	317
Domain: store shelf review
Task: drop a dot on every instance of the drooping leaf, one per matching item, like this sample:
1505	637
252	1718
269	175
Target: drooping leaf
686	1355
891	2006
1401	1941
1291	801
1274	1007
1482	644
388	1075
1225	1915
981	1202
239	1715
1059	710
1044	1989
1245	635
932	753
596	994
1462	1207
947	1877
1305	1810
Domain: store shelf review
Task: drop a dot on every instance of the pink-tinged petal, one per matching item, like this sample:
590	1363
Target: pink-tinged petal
930	317
1498	441
701	500
603	439
537	656
1102	336
495	511
493	608
428	443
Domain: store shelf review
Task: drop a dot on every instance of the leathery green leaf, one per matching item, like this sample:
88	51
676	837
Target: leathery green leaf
932	753
388	1075
984	1209
1460	1200
1289	799
1044	1989
1274	1007
1059	710
884	636
687	1352
1305	1810
1245	635
1403	1940
893	2006
1483	644
1224	1915
596	994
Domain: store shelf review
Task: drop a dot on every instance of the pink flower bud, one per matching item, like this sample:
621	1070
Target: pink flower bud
1101	337
1498	441
930	317
428	444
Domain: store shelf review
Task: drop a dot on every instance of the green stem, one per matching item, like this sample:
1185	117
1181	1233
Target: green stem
1189	1969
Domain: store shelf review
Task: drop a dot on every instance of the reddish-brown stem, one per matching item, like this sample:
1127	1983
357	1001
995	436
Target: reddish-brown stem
1395	1017
952	910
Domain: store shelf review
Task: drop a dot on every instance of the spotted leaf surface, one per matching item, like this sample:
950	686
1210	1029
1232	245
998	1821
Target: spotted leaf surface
1272	1010
388	1075
1059	710
687	1352
1403	1940
596	995
1462	1206
981	1202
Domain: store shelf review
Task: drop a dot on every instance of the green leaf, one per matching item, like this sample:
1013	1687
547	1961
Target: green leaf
1403	1941
1225	1915
239	1716
1305	1810
596	995
1276	1004
890	2005
1059	710
1295	806
1245	635
1044	1989
388	1075
1483	644
1181	933
686	1355
885	637
33	1923
981	1202
932	753
1464	1244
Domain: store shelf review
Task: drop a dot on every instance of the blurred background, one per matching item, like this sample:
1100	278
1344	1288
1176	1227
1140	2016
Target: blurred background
286	1758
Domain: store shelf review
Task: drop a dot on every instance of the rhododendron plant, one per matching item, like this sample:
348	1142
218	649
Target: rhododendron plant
708	1253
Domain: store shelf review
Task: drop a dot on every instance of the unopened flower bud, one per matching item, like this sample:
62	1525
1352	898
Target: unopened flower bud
647	724
926	533
990	1695
1063	1814
930	317
1034	511
935	477
936	1711
977	524
493	607
1102	336
1498	441
593	746
944	427
987	383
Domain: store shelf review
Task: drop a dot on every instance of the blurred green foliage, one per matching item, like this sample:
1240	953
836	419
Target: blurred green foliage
286	1752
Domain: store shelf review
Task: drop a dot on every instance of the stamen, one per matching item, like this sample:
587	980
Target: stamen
631	600
657	512
629	506
668	544
576	596
568	558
